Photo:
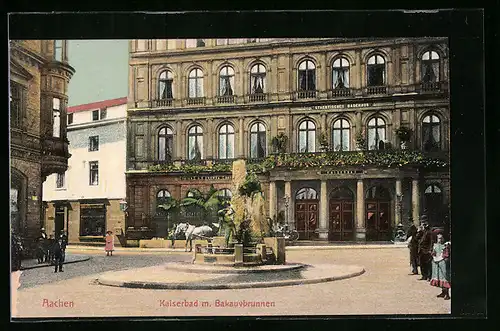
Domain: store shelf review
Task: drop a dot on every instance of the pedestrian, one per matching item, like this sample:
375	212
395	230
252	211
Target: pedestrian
110	244
44	239
59	255
440	273
424	251
413	246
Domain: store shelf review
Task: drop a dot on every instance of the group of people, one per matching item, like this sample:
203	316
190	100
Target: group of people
52	251
432	254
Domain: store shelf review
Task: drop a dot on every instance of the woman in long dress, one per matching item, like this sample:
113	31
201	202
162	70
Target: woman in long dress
440	273
110	243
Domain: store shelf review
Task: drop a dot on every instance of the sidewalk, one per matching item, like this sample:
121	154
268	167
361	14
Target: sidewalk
70	258
289	248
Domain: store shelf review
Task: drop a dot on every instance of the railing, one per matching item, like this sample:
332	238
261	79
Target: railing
225	99
196	101
163	103
194	162
257	97
376	90
431	86
306	94
341	92
255	160
223	161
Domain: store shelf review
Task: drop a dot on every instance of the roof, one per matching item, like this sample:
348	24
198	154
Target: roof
98	105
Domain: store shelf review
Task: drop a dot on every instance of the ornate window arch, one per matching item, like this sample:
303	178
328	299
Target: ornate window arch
306	193
376	70
225	194
165	85
341	135
342	193
257	79
430	69
258	140
306	75
195	143
165	143
226	81
340	73
195	83
226	141
376	136
431	132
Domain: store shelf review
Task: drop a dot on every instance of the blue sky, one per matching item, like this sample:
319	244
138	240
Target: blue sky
101	70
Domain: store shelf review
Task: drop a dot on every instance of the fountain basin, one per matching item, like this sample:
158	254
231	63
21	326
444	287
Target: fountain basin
230	269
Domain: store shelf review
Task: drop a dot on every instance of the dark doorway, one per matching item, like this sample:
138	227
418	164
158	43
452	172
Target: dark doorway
341	217
306	213
378	214
59	220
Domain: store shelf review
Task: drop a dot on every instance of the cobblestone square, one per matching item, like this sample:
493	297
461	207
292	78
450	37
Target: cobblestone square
385	288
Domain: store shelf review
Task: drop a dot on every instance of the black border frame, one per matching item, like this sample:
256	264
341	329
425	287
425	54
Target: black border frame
464	27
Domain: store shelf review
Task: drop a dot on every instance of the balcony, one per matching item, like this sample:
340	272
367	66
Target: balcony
373	90
430	87
306	94
163	103
225	99
195	101
341	92
257	97
55	156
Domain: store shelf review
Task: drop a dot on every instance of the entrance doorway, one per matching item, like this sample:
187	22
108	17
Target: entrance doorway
433	204
341	219
306	213
59	220
378	214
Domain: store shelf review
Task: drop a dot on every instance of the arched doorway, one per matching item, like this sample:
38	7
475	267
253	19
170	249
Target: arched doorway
306	212
433	204
17	201
341	219
378	214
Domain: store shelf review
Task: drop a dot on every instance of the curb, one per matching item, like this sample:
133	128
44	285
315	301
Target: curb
191	286
83	259
233	270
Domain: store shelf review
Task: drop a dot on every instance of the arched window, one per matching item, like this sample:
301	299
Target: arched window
192	193
341	135
226	141
342	193
307	137
258	79
306	193
195	143
430	67
376	133
340	73
226	81
378	193
433	203
165	144
376	71
257	141
56	114
165	85
307	76
195	85
431	133
162	196
225	194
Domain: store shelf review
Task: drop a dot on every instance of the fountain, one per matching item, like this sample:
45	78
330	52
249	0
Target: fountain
248	217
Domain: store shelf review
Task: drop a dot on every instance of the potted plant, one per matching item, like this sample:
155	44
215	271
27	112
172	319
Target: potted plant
323	141
360	140
403	134
279	143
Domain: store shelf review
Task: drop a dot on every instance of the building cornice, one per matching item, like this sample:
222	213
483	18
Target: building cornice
27	55
87	125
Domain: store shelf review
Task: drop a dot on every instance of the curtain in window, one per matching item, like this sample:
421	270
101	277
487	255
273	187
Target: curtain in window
340	78
195	147
192	88
261	145
311	81
375	135
169	147
161	148
199	87
257	84
222	146
311	141
302	80
169	92
57	124
163	89
376	75
430	71
225	86
303	141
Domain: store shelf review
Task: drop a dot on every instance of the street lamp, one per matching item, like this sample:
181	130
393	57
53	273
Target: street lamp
400	211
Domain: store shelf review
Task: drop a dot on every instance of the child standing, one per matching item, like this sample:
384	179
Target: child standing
110	245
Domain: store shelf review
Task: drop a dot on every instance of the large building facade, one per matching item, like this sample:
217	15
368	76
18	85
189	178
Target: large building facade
85	200
39	76
348	137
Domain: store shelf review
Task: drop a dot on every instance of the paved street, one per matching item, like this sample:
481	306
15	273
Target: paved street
385	288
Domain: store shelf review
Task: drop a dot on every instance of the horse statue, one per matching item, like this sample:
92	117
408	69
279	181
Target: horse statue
191	232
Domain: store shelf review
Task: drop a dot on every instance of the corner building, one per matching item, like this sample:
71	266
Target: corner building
39	75
195	105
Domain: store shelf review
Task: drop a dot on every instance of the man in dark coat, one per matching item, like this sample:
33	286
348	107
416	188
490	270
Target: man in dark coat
425	251
44	240
413	246
59	255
